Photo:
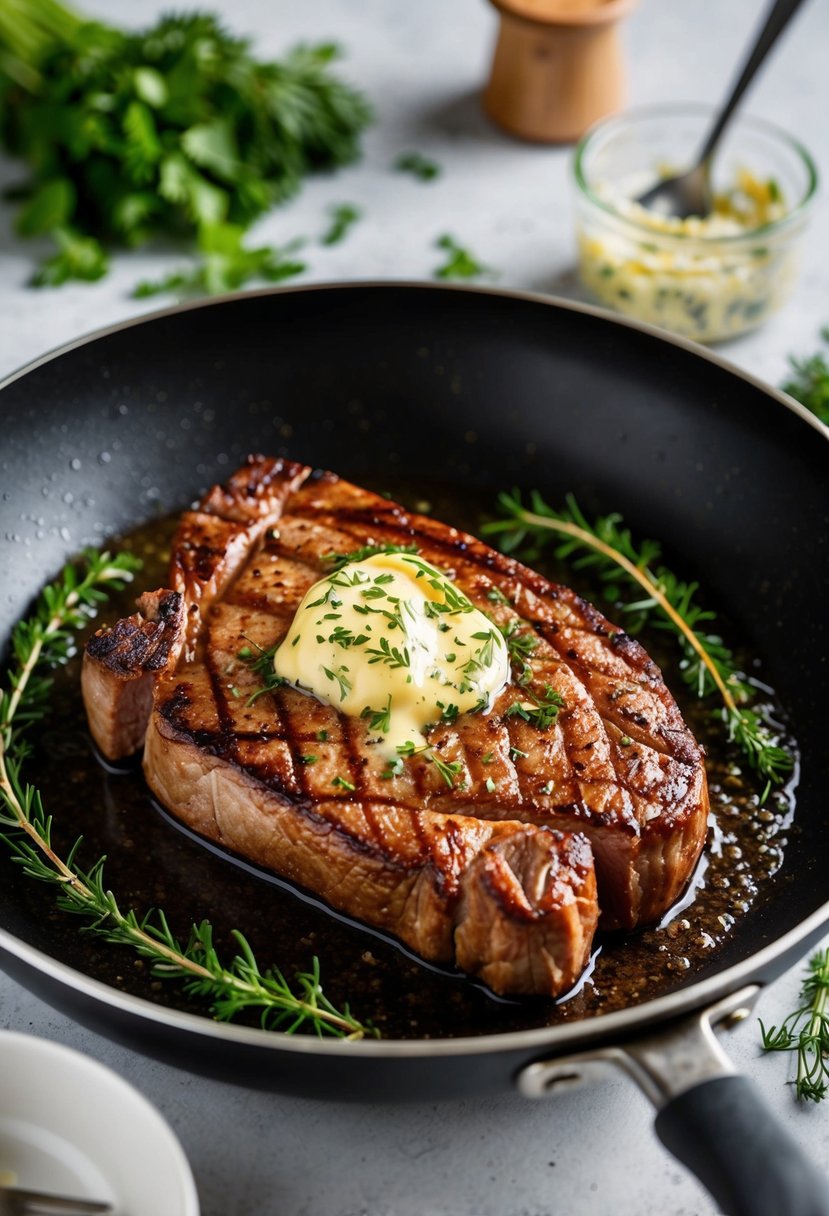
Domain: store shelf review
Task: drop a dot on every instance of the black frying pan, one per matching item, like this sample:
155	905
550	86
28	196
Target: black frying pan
483	390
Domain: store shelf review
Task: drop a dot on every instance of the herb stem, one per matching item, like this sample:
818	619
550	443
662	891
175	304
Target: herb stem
708	665
806	1031
647	583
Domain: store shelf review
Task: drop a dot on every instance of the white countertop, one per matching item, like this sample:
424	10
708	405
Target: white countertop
590	1151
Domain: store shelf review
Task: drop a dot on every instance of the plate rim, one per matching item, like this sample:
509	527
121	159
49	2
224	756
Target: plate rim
38	1046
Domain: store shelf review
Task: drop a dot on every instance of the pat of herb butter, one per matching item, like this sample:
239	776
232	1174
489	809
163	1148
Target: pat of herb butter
392	640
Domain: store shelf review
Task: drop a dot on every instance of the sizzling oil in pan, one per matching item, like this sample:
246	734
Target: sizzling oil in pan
152	862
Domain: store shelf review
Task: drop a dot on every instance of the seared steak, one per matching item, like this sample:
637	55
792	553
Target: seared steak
495	869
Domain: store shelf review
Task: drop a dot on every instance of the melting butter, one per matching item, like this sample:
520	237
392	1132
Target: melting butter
391	639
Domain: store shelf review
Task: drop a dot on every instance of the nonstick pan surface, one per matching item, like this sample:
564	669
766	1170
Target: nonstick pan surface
477	390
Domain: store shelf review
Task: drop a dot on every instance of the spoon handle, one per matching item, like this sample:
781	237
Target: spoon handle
779	15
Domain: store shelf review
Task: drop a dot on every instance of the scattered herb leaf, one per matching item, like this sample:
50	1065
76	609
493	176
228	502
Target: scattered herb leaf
260	661
422	167
225	264
459	262
338	560
343	217
448	769
543	710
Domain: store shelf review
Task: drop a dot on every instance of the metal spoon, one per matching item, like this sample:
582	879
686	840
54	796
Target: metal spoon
690	192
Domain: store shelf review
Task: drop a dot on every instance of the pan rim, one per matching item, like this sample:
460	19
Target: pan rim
608	1026
531	297
562	1036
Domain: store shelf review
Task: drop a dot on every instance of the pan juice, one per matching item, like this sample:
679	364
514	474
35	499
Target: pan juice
151	861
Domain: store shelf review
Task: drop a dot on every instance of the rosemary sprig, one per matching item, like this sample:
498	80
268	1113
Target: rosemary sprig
806	1031
606	547
343	217
43	640
459	262
422	167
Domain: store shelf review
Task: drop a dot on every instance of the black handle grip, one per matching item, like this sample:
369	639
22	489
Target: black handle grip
752	1166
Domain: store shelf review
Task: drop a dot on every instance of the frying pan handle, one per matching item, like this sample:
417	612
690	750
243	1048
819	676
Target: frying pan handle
748	1161
712	1120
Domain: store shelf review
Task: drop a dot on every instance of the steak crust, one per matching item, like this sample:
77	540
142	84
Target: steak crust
497	872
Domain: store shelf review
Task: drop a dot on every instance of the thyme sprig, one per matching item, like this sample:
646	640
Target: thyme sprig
607	548
806	1031
44	640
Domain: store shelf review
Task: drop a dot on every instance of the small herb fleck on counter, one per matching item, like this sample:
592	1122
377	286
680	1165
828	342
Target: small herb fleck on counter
460	263
422	167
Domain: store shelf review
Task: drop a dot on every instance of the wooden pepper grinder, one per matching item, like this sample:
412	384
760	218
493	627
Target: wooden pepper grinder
557	67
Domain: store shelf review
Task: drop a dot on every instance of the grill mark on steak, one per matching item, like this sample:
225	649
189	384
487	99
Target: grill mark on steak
471	864
617	797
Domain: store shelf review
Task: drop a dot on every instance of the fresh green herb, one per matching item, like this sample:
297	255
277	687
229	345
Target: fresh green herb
225	264
420	166
176	130
481	658
543	711
515	753
340	678
308	758
487	759
810	383
44	641
78	257
322	736
607	548
393	769
260	661
459	262
448	713
345	637
454	601
379	719
548	787
806	1031
448	770
491	785
338	560
343	217
342	783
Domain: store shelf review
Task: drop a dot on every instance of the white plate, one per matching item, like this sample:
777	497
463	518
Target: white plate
68	1124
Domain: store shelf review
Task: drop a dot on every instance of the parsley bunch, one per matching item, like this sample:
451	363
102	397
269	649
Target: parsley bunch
175	131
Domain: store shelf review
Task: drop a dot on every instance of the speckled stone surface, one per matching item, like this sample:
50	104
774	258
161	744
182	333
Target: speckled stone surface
590	1151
